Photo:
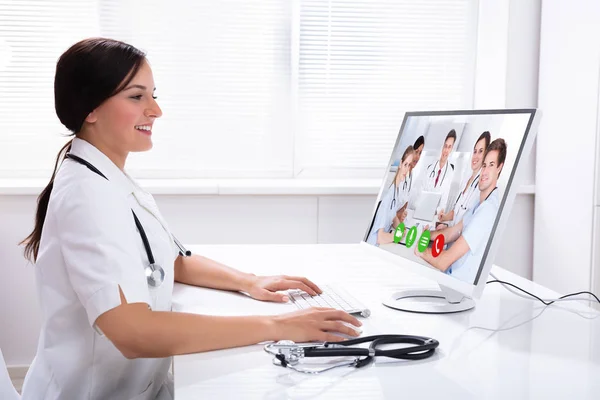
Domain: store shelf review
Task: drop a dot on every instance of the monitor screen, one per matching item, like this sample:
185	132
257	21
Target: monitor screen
445	188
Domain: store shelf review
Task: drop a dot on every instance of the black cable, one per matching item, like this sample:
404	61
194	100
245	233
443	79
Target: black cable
545	302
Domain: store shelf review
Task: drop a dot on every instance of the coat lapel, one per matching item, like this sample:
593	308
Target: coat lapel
146	201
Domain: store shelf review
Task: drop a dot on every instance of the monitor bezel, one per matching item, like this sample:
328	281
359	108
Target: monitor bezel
473	290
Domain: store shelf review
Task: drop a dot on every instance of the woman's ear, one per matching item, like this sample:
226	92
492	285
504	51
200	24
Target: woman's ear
91	117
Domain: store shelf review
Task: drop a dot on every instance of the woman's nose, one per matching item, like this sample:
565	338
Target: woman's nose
153	111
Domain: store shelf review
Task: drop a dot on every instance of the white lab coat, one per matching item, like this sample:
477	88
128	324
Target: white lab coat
392	200
444	183
89	249
7	390
466	200
477	228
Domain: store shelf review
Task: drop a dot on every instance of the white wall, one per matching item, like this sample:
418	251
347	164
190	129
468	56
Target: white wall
507	77
568	96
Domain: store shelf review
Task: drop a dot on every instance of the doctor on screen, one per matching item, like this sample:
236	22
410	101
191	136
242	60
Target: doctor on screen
418	148
467	197
105	259
438	175
392	200
469	237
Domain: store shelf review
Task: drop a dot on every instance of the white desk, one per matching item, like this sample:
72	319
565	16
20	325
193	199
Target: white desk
506	348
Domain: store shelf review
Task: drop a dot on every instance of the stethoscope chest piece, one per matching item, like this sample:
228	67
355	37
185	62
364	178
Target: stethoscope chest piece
155	275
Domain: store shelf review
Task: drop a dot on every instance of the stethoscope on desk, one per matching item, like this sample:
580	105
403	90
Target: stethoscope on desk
432	173
155	274
288	354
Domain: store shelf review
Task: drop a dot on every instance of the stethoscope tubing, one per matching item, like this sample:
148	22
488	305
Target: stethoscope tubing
432	173
152	281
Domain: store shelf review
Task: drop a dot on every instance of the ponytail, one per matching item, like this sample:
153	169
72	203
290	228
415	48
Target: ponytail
32	242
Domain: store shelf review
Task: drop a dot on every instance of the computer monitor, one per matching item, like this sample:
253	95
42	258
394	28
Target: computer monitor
474	161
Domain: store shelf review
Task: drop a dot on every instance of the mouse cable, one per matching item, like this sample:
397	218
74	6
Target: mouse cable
545	301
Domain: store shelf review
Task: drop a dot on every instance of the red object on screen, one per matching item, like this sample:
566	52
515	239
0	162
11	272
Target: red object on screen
438	245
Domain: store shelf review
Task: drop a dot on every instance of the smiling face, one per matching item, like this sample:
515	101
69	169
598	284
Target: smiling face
124	121
416	156
477	157
447	149
490	171
406	165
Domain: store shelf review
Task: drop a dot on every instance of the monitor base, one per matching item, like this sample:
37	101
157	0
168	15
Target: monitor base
441	301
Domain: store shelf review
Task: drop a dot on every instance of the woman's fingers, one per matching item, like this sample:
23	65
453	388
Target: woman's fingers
291	284
330	337
330	314
340	327
306	281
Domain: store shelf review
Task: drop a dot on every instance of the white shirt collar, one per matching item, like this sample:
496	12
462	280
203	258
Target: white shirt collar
98	159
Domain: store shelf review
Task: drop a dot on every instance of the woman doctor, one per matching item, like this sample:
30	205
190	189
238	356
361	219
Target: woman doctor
107	329
468	197
391	202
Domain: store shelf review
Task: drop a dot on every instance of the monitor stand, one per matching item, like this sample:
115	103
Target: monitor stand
441	301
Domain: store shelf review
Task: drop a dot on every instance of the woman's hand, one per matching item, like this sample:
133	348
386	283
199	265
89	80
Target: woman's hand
266	287
314	324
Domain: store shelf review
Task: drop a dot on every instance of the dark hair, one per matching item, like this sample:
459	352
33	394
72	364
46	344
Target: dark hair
87	74
500	146
419	142
451	134
485	135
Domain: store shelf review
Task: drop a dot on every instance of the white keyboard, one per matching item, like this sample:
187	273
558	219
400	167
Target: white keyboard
332	297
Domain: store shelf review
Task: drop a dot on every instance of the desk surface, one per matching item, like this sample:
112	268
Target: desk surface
506	348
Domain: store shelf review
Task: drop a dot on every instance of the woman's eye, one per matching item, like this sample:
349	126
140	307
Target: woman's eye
138	97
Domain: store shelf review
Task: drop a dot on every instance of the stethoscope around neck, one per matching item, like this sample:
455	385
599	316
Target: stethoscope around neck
404	185
464	205
155	274
432	173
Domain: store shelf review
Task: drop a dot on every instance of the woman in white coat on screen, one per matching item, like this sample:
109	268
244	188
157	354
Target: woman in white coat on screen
393	199
469	195
105	260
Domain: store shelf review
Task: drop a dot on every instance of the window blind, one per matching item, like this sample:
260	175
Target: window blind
248	88
362	64
33	34
221	69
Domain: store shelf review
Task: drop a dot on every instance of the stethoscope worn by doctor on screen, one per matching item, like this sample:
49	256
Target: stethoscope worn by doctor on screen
471	190
155	274
404	185
432	173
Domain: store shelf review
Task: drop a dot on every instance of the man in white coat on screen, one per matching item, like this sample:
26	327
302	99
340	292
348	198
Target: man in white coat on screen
439	175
